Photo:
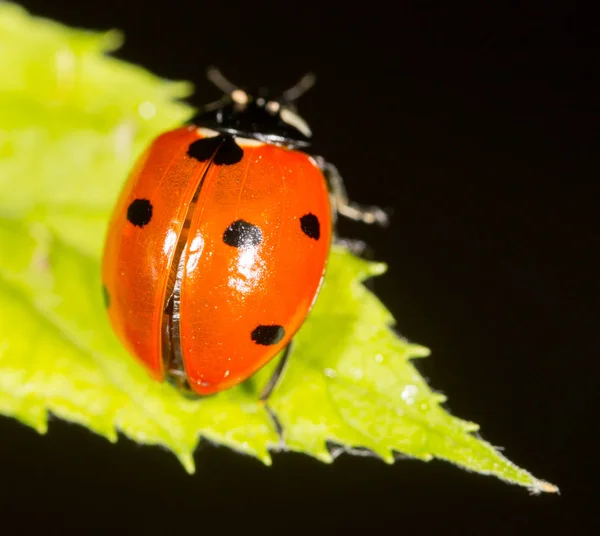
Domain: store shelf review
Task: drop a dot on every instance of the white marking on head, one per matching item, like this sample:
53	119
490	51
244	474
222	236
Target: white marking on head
273	107
294	120
248	142
206	132
242	142
239	96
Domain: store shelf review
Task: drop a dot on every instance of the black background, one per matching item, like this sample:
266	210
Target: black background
478	127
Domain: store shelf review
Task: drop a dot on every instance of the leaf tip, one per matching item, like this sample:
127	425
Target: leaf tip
180	89
265	458
376	268
111	40
416	350
541	486
187	460
387	456
41	427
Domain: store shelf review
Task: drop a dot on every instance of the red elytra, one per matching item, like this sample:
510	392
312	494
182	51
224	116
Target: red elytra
219	241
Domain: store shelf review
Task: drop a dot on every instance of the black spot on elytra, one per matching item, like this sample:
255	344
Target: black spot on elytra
106	296
139	212
241	234
310	226
204	149
229	153
268	335
225	150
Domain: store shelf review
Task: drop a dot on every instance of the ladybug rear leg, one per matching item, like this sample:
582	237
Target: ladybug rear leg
355	246
271	386
341	204
277	374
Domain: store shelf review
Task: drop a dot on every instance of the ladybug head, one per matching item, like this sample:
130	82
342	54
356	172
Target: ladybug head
272	120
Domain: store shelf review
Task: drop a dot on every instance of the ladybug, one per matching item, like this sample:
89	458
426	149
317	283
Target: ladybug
218	243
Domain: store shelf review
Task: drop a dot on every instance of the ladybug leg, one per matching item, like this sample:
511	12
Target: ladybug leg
270	387
341	204
277	374
356	247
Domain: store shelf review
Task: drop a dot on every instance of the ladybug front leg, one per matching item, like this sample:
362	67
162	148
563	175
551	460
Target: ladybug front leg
339	198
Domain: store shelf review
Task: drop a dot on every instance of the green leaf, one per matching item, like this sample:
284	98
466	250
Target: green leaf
72	119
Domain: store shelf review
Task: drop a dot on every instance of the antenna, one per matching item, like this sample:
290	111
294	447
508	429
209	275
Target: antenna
297	90
216	77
